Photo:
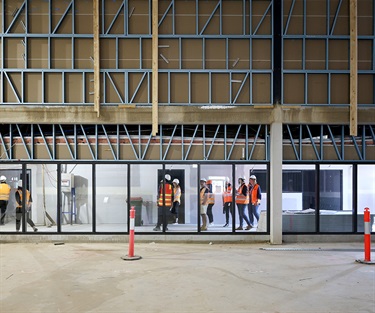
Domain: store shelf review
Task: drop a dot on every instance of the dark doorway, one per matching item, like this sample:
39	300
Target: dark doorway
180	175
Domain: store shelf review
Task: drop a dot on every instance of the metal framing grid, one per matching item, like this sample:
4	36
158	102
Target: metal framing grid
329	37
236	79
225	143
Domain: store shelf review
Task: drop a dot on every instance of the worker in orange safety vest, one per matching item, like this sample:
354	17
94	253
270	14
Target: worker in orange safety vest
227	202
164	201
4	197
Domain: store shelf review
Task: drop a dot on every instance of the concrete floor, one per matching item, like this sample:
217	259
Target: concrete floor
185	277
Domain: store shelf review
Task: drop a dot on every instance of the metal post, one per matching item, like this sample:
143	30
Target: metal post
130	256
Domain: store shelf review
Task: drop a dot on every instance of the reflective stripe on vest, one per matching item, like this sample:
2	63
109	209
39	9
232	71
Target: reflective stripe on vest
254	194
240	198
4	192
168	195
211	198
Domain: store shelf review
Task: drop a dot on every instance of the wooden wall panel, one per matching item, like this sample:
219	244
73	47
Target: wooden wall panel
171	53
215	54
39	17
239	49
33	87
129	53
296	21
294	88
111	8
186	21
139	22
261	51
365	18
200	88
192	52
147	54
232	17
365	57
163	88
293	54
83	23
316	17
73	85
317	89
262	88
37	55
61	53
338	55
9	94
366	89
315	54
179	88
13	53
258	9
220	88
340	89
53	87
83	50
107	53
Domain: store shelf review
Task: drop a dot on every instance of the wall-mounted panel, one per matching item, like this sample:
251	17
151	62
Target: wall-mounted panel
37	54
33	87
192	54
61	53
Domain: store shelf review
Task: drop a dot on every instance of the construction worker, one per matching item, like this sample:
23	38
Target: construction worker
242	201
4	197
203	197
176	199
28	203
210	202
164	200
227	202
255	196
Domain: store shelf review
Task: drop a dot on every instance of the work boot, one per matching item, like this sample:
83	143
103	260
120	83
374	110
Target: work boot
157	228
239	228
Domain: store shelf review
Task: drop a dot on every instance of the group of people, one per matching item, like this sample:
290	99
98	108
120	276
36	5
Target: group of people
247	196
5	191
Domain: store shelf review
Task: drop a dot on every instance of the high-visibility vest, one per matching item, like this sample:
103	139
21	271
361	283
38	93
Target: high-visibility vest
19	205
4	191
168	195
227	195
211	196
240	197
201	194
253	192
177	194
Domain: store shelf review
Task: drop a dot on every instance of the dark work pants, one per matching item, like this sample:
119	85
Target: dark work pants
227	208
3	208
209	213
19	217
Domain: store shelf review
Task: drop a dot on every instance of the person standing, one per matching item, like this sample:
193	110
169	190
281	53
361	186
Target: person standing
203	197
255	195
28	203
4	197
210	202
242	201
176	199
164	200
227	202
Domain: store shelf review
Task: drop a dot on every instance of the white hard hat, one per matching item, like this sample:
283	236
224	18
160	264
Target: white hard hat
176	181
168	177
253	177
20	183
203	179
3	178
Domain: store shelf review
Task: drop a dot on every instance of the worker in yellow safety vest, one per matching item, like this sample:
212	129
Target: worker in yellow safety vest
210	202
28	203
4	197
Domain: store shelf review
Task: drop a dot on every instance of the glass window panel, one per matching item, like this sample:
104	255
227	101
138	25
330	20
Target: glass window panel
111	198
298	198
76	198
256	215
336	198
366	194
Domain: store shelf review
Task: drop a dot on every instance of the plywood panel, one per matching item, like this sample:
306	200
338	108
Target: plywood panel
53	87
239	54
146	53
129	53
139	20
293	54
186	21
258	10
179	88
261	51
294	88
315	54
205	10
170	50
142	94
13	53
38	17
340	89
119	83
9	94
220	88
33	87
295	26
107	53
73	88
338	55
366	89
317	86
37	55
232	17
365	50
316	17
61	53
244	94
261	88
83	11
215	54
83	50
192	51
111	8
199	86
365	18
163	88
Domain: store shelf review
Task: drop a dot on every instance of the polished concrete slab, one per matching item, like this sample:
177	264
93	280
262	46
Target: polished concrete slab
185	277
